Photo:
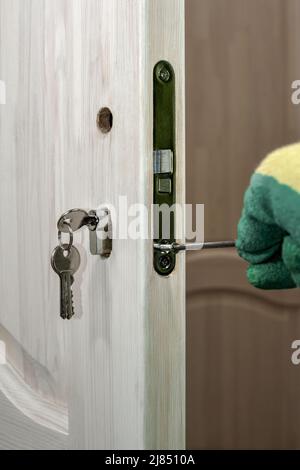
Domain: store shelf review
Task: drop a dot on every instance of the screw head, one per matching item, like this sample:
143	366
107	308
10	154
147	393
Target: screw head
164	74
165	262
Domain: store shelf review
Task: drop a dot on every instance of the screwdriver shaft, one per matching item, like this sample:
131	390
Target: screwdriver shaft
193	246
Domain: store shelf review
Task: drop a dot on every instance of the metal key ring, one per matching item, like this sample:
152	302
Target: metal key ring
70	244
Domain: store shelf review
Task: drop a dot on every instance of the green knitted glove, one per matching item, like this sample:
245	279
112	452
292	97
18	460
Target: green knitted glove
269	229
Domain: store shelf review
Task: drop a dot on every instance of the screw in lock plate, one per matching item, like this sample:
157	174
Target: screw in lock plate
165	262
164	73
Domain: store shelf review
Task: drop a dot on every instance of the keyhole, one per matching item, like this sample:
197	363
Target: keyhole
105	120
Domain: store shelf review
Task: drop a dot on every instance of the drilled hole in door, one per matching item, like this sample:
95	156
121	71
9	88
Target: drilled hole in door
105	120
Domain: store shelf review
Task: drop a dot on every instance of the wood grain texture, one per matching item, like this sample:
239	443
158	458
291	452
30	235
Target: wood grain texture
29	402
165	324
118	367
17	431
242	389
30	387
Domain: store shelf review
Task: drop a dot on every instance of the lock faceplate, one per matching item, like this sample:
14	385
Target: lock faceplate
164	164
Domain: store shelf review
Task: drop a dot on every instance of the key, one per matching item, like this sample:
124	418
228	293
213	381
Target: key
66	295
76	219
66	267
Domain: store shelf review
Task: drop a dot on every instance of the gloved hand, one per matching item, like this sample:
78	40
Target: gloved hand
269	229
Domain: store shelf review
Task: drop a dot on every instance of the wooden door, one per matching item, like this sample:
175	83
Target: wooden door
243	390
114	376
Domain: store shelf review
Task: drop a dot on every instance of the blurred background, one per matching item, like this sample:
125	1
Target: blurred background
242	389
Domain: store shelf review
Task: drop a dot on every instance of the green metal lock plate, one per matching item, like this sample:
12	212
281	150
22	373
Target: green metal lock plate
164	163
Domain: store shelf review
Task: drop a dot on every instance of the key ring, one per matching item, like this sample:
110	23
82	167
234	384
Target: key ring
70	244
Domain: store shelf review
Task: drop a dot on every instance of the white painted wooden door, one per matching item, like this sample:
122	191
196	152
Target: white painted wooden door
114	376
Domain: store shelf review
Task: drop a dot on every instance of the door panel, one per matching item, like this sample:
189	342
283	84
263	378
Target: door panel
104	372
241	383
242	57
